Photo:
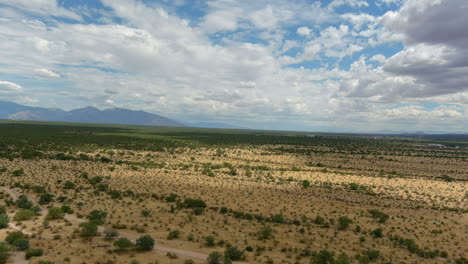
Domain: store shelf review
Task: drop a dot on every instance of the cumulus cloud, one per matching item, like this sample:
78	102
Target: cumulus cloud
45	73
378	58
252	60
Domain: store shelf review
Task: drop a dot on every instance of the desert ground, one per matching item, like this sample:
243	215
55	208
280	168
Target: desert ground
252	197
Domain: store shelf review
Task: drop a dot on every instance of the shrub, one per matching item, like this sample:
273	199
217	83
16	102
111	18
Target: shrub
210	241
4	220
19	172
215	258
372	254
306	184
173	234
5	252
377	232
354	186
46	198
224	210
66	209
198	211
171	198
145	243
194	203
24	215
145	213
95	180
382	217
55	213
13	236
97	217
21	244
233	253
69	185
319	220
265	233
123	244
322	257
88	229
110	234
23	202
34	252
344	222
38	189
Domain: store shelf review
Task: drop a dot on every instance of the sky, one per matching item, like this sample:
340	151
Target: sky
330	65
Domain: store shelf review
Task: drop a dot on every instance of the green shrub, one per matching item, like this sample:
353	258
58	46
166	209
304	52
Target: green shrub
68	185
13	236
194	203
66	209
34	252
233	253
171	198
97	217
55	213
215	258
173	234
145	243
382	217
354	186
5	252
377	232
123	244
24	215
46	198
305	183
23	202
344	222
210	241
21	244
319	220
88	229
38	189
4	220
266	232
322	257
19	172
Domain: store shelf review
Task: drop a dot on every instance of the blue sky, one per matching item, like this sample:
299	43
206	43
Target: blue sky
334	65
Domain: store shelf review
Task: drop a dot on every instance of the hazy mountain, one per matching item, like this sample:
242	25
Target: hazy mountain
15	111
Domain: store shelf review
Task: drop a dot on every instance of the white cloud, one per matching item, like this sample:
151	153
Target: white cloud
211	67
352	3
303	31
43	7
8	87
45	73
378	58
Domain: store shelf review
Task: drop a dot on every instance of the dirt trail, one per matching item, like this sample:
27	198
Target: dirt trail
158	248
18	257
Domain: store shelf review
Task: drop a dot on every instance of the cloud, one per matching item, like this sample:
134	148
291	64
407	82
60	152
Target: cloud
303	31
43	7
352	3
378	58
259	61
10	87
45	73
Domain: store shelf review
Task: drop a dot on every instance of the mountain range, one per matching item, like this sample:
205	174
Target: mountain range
14	111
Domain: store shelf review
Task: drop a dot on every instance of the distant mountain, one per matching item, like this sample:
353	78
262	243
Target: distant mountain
213	125
13	111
